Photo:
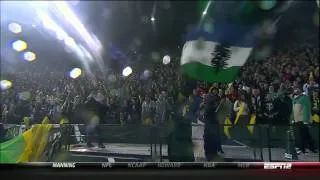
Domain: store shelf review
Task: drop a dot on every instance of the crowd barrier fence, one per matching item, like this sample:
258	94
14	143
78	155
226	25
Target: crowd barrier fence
263	136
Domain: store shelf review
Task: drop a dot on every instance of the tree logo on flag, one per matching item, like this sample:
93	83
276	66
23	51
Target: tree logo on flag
220	55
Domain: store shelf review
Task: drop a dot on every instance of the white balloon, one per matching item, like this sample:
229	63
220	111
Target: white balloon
15	28
166	59
146	73
29	56
127	71
75	73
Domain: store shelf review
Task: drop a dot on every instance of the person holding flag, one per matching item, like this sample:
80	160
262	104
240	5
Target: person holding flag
211	135
222	42
215	51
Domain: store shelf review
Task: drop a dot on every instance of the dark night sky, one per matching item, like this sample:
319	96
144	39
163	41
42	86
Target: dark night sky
125	21
171	23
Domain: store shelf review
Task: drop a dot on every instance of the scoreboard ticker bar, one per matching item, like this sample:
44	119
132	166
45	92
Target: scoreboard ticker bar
168	165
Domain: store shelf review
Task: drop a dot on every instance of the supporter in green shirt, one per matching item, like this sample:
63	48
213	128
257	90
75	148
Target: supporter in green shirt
301	120
302	109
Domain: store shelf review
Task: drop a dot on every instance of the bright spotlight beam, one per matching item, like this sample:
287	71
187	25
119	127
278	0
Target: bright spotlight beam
93	44
71	17
206	9
204	13
48	23
62	35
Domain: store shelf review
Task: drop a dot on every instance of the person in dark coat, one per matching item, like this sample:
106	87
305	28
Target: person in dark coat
269	110
96	111
78	111
211	135
283	105
256	105
180	146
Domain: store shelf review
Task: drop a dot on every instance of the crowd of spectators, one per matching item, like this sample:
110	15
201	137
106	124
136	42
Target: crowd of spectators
269	81
43	91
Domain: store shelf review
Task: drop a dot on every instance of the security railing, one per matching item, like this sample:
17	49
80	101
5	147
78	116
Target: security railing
266	142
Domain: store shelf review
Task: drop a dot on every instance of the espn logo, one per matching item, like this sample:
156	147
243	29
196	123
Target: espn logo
63	165
277	166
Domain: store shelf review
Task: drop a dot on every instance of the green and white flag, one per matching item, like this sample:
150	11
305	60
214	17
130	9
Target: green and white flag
217	56
216	53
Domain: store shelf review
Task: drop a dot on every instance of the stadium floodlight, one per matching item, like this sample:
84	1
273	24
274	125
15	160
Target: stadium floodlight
19	45
29	56
15	28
